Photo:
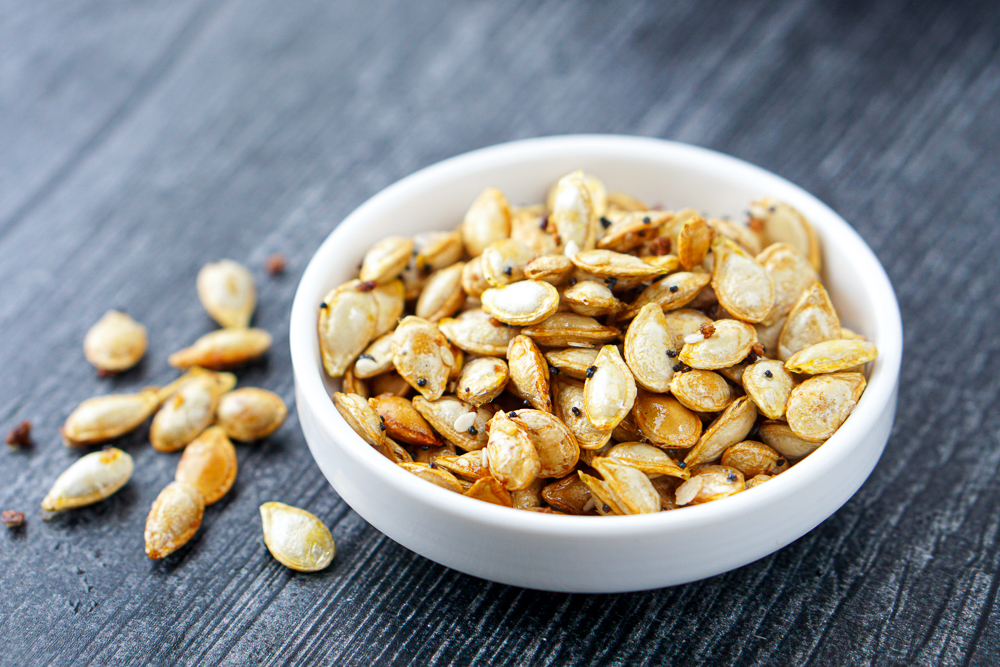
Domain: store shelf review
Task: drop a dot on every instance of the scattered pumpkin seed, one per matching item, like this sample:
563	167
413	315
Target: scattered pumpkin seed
173	519
227	291
296	538
106	417
90	479
115	343
250	413
209	464
225	348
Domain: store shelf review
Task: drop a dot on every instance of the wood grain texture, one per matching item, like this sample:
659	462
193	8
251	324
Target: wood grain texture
138	141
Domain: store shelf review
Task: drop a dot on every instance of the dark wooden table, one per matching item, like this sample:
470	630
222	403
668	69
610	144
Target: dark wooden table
140	140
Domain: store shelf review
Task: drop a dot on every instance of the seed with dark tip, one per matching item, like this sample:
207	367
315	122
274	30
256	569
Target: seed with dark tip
422	382
512	414
572	281
473	431
591	371
674	288
605	222
672	353
768	374
576	411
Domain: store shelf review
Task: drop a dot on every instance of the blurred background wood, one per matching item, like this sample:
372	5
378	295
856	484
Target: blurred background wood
140	140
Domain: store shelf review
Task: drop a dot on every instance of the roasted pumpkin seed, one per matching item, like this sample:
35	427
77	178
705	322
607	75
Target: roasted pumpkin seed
435	476
555	444
665	422
568	403
591	299
115	343
647	458
523	303
296	538
754	458
780	437
386	259
512	458
791	274
730	343
491	491
572	216
422	355
389	301
768	384
708	484
702	391
647	347
250	413
226	289
570	330
362	418
503	261
438	249
631	490
730	427
674	291
225	348
610	391
693	242
90	479
831	356
573	361
783	224
476	332
817	407
742	286
446	411
812	320
403	421
173	519
106	417
209	464
529	373
442	296
486	221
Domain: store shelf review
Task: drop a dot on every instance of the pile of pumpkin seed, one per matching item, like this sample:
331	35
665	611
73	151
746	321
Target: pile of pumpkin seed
200	413
594	355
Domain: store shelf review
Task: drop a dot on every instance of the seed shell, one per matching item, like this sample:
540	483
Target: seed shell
250	413
591	299
610	391
523	303
768	384
710	483
693	242
189	411
820	405
730	427
754	458
90	479
729	344
227	291
445	411
512	458
386	259
702	391
362	418
571	330
422	356
555	444
631	489
742	286
573	217
403	422
491	491
106	417
647	342
482	380
442	295
812	320
209	465
173	519
529	373
831	356
115	343
348	319
486	221
665	422
296	538
225	348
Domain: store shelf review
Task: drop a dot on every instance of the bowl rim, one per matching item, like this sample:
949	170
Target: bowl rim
308	375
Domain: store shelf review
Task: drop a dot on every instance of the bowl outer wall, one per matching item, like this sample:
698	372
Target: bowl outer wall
584	554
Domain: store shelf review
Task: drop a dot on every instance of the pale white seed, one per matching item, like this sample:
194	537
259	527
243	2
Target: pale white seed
465	421
386	259
92	478
225	348
250	413
226	289
486	221
691	339
115	343
106	417
523	303
296	538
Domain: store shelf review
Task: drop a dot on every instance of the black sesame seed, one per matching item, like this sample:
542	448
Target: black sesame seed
508	270
428	268
780	462
678	366
425	447
771	209
647	220
611	281
605	222
544	222
553	370
512	414
575	411
473	431
674	288
751	358
434	465
572	281
731	477
681	465
672	353
422	382
768	374
367	356
324	305
526	403
591	371
607	508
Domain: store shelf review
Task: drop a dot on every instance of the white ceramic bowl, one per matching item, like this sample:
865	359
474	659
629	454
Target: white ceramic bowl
594	554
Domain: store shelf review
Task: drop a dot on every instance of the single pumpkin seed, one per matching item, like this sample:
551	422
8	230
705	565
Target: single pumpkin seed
526	227
442	296
189	411
647	344
486	221
673	292
750	240
832	356
768	384
551	268
569	495
296	538
630	230
468	466
730	427
529	373
482	380
702	391
386	259
780	437
512	458
433	454
791	274
115	343
362	418
491	491
422	355
610	264
742	286
783	224
226	289
225	348
630	488
708	484
665	422
389	301
90	479
682	323
528	498
591	299
435	476
438	249
348	319
729	344
693	242
173	519
523	303
571	330
757	480
503	262
209	464
555	444
376	359
572	216
106	417
573	361
403	422
445	411
812	320
646	458
250	413
605	503
754	458
473	281
476	332
820	405
610	391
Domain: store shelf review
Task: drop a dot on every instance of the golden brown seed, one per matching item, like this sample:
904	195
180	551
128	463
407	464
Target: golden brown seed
209	465
568	494
693	241
630	230
604	502
832	356
610	264
591	299
623	201
438	249
473	281
782	439
665	487
729	344
476	332
348	318
631	489
226	289
90	479
468	466
665	422
225	348
688	286
757	481
529	373
817	407
189	411
783	224
573	361
791	274
422	355
482	380
728	428
503	262
389	301
491	491
573	217
106	417
708	484
486	221
647	458
442	296
250	413
768	384
552	268
435	476
568	399
414	277
523	303
115	343
173	520
556	446
353	385
754	458
386	259
296	538
702	391
525	226
446	411
360	417
742	286
610	391
512	458
571	330
682	323
376	359
813	320
627	429
403	422
647	343
742	234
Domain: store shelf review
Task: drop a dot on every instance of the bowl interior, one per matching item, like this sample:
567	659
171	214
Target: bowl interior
663	173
